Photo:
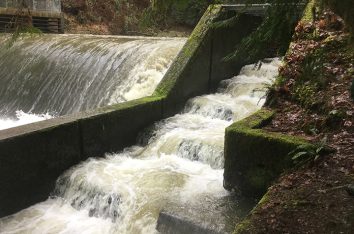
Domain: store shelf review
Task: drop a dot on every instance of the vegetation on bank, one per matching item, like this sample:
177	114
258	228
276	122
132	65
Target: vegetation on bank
130	16
313	99
135	16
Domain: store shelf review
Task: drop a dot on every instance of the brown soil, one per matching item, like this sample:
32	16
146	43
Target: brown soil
313	197
111	17
103	16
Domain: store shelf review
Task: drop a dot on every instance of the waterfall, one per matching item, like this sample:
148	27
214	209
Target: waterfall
179	161
53	75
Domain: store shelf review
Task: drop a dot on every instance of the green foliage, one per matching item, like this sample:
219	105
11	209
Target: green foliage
274	33
22	31
313	68
311	80
304	153
164	13
21	23
305	94
335	118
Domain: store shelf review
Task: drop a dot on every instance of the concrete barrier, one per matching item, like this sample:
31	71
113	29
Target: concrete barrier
199	67
254	158
34	155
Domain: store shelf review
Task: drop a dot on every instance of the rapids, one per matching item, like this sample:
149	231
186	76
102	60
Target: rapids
178	161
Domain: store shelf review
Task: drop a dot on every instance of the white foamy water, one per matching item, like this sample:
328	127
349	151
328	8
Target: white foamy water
179	161
65	74
22	118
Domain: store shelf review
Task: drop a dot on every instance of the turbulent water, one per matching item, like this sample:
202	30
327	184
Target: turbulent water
179	161
54	75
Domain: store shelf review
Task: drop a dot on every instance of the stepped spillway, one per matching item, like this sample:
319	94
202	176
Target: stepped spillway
177	161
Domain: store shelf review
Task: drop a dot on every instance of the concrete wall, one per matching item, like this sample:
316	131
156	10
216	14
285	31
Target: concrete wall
254	158
33	156
199	66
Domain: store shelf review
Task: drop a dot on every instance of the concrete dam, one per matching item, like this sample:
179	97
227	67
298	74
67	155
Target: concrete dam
132	137
53	75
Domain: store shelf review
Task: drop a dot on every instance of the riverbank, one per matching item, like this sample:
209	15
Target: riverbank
312	100
144	18
135	17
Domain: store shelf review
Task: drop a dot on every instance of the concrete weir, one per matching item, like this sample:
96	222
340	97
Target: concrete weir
33	156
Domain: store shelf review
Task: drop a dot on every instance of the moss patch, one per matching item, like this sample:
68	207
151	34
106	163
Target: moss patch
308	13
188	52
254	157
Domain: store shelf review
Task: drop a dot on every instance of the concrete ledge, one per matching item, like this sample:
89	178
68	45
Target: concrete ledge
254	158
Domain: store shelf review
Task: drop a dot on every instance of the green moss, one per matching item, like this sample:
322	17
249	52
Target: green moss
125	105
308	15
257	120
258	177
250	126
265	199
254	157
243	227
246	225
188	52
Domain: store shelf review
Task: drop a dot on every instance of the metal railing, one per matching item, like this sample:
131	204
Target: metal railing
35	5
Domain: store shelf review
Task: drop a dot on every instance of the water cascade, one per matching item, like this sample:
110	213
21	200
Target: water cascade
53	75
178	161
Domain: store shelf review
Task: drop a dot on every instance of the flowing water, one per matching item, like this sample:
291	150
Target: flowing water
178	161
53	75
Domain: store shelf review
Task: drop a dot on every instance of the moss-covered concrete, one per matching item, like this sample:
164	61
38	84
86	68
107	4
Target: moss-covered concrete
246	225
199	67
284	161
308	12
254	157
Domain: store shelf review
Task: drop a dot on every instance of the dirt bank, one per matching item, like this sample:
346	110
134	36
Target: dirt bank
313	100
